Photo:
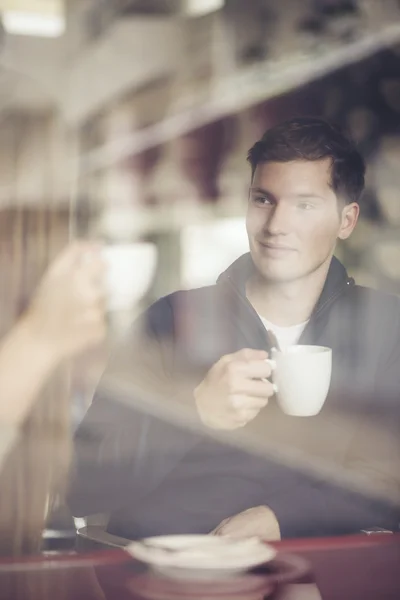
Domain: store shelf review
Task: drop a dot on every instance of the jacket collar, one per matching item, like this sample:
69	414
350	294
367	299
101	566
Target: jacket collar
336	281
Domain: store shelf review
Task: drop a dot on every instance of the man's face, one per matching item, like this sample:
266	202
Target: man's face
294	219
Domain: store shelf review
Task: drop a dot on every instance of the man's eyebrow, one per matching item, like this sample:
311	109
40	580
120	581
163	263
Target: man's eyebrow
260	190
309	195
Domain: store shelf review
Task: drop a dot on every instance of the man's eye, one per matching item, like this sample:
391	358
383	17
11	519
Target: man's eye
306	205
261	200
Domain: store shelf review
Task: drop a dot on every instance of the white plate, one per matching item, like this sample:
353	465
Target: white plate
202	552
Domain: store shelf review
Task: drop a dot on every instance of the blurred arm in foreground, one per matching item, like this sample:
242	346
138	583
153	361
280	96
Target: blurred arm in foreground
65	317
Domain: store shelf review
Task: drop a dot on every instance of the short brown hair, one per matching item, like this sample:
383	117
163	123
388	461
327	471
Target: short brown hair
312	139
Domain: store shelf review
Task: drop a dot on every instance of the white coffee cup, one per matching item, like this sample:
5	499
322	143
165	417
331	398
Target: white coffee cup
129	272
302	376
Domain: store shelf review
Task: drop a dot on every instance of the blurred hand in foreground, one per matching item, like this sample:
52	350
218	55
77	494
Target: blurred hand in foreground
67	312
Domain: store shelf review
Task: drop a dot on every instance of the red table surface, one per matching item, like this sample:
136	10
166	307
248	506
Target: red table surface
354	568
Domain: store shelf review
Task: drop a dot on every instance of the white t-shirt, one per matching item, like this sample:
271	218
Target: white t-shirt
286	336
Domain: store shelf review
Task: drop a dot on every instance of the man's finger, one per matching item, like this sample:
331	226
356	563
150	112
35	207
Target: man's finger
255	369
256	388
215	531
243	403
248	354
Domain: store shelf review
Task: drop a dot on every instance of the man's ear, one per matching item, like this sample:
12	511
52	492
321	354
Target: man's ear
349	218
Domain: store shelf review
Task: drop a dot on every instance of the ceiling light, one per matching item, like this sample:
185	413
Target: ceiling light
33	24
198	8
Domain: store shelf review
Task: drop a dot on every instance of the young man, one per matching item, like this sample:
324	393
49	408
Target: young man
207	349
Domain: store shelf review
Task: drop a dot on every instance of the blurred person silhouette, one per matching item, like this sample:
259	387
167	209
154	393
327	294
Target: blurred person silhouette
65	317
204	350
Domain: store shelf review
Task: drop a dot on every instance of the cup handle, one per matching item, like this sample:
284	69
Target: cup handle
272	364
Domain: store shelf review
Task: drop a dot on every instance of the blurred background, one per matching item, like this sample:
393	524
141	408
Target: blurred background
129	121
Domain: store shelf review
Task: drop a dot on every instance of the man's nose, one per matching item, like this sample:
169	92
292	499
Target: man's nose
278	220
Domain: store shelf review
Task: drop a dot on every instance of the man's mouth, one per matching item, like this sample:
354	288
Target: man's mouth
276	247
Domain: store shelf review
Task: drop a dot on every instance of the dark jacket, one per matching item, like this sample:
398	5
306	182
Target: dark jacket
158	478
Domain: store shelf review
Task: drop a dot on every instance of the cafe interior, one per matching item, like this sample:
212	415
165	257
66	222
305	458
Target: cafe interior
127	123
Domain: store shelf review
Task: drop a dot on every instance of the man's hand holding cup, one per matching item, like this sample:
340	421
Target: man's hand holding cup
235	390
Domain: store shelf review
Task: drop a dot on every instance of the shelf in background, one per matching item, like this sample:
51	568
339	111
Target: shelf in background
246	88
